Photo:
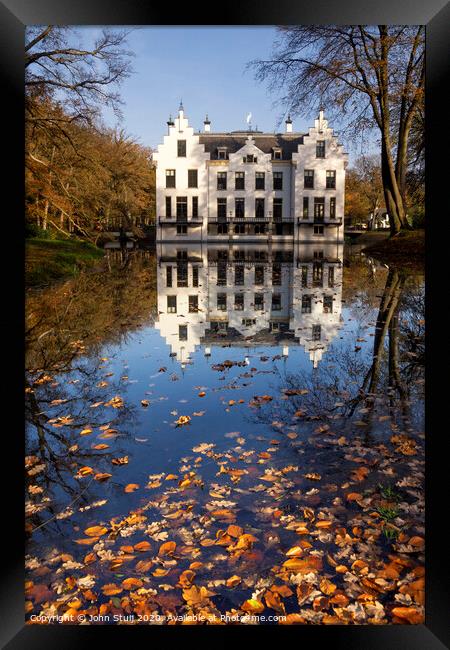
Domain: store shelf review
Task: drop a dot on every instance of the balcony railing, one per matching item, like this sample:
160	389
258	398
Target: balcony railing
319	221
174	221
250	219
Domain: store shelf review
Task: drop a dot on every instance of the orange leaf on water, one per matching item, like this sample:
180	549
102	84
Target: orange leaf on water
167	548
131	487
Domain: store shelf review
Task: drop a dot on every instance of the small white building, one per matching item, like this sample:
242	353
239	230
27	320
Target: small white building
250	186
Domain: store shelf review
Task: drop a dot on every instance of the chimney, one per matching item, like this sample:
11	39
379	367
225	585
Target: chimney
288	124
170	123
207	124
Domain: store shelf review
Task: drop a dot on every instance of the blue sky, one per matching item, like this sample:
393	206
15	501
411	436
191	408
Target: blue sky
206	67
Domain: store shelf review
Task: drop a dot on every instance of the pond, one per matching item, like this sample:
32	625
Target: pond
226	435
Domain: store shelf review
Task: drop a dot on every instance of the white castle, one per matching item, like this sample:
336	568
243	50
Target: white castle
250	186
249	295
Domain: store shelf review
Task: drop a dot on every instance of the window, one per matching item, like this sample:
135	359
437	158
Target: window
182	255
239	228
182	208
304	276
195	276
328	304
181	148
168	206
259	301
260	228
170	178
239	181
318	255
260	255
182	274
239	301
319	208
222	209
259	180
221	180
169	276
277	154
221	273
318	274
219	327
320	149
316	332
305	207
239	208
306	304
276	274
259	208
309	178
277	209
181	230
222	229
221	302
248	322
276	302
277	180
259	274
333	207
171	304
239	275
275	327
239	255
318	230
193	304
192	178
331	180
195	206
250	158
331	276
182	332
221	153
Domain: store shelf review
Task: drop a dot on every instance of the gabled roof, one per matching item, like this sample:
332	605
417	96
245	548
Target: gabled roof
234	141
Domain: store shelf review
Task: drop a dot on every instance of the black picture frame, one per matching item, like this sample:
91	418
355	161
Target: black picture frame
14	16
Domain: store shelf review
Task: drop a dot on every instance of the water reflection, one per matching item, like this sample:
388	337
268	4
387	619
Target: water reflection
323	429
67	379
249	296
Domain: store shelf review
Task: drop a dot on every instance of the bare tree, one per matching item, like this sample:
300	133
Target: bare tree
371	76
59	68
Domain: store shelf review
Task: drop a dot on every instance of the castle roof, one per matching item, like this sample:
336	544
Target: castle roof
287	142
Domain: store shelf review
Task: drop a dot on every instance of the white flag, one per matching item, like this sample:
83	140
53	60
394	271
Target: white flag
249	117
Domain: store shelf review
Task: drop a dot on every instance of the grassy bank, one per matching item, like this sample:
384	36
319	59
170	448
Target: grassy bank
406	249
48	260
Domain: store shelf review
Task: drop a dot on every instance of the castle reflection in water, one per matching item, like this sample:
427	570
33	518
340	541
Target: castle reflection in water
249	295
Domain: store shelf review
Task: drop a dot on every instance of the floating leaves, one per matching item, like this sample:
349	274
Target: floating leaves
96	531
168	548
116	402
183	420
131	487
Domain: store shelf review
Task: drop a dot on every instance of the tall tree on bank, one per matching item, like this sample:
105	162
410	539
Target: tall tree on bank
372	76
81	177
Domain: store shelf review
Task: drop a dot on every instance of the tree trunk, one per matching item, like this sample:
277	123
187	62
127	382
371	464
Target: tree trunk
392	195
44	218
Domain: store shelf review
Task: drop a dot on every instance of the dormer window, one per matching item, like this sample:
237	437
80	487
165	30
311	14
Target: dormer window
250	158
222	153
277	153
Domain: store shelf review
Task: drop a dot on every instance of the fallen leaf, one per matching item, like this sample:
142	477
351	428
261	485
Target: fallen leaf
131	487
96	531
